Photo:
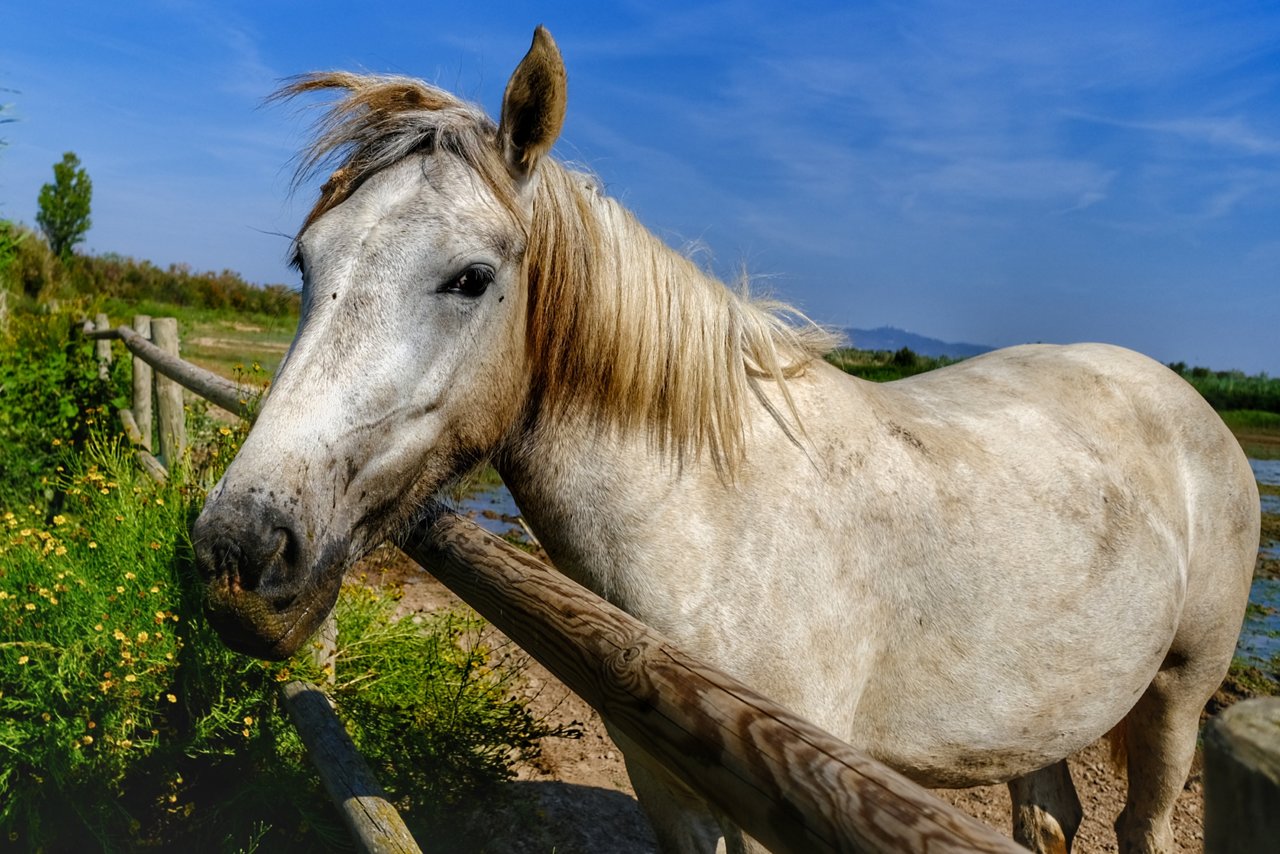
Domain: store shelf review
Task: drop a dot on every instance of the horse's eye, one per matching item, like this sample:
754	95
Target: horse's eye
471	282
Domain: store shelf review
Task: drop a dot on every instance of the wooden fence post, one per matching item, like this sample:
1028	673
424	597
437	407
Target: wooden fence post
102	347
172	421
1242	779
142	384
324	651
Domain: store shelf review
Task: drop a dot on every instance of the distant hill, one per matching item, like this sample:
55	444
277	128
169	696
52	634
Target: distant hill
890	338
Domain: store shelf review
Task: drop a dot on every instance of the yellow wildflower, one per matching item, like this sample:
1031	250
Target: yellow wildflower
160	501
143	637
119	589
171	698
59	520
92	544
129	576
22	659
119	635
60	550
226	431
248	721
88	739
30	606
131	678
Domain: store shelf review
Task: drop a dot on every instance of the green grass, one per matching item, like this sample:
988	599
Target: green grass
1258	432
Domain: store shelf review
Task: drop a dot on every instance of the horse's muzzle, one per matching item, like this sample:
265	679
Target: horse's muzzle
267	589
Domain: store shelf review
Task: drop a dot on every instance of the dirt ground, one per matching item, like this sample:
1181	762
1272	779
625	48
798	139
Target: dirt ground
576	799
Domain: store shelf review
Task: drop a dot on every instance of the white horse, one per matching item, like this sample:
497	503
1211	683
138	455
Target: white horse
970	574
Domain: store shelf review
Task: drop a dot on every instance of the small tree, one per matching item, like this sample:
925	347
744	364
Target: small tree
64	206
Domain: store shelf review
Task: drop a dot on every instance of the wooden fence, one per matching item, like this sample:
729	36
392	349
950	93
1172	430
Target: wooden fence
786	782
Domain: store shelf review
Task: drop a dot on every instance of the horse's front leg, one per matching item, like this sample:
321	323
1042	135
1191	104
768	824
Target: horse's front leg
681	821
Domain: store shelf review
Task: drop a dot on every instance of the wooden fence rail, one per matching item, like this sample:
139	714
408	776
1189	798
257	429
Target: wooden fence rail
368	815
786	782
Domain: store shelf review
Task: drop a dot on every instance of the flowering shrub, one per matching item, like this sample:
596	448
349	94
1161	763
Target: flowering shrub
94	642
50	397
126	723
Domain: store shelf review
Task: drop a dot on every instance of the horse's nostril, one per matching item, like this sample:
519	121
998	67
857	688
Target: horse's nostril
256	551
288	548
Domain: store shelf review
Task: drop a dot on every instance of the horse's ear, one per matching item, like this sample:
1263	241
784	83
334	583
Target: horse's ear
533	106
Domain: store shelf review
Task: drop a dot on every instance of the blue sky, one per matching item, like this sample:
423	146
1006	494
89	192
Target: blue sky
986	172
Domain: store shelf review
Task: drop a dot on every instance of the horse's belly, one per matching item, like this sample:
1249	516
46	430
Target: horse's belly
1013	689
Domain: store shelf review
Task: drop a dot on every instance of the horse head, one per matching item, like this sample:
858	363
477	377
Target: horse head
409	365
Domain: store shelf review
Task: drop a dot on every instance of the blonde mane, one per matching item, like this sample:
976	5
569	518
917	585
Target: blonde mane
619	325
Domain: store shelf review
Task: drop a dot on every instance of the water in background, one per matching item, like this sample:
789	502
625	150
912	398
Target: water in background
493	509
1268	471
1260	640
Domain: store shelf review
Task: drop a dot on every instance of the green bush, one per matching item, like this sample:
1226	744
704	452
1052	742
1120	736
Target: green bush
50	395
1228	390
415	693
883	365
106	664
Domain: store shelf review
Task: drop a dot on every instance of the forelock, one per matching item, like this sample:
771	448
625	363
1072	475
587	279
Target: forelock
376	121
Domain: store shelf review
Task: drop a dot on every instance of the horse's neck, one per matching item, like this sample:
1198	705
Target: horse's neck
610	505
586	490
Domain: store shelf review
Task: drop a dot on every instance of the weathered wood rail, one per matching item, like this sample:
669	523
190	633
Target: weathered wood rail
368	815
788	783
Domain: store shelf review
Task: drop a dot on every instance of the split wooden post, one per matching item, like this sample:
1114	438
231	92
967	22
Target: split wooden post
102	347
142	385
325	649
172	421
1242	778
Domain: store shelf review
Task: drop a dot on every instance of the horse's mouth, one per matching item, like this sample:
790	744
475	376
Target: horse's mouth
250	624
